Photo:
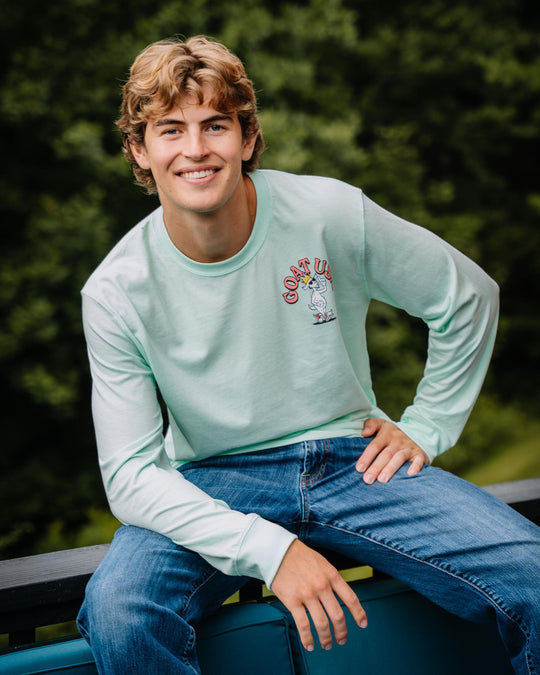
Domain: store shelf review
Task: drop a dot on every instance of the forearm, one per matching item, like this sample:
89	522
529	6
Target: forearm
456	365
411	268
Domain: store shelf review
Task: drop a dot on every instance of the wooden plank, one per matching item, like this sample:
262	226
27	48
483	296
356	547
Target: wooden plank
45	589
516	491
61	572
521	495
50	567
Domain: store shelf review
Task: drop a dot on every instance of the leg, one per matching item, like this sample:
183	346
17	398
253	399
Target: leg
444	537
142	602
147	593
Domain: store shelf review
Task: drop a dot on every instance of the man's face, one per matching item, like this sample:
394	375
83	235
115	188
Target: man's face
195	154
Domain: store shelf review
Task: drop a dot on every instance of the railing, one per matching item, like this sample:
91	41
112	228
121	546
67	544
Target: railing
46	589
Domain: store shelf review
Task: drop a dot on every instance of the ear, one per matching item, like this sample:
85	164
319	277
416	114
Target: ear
248	146
140	154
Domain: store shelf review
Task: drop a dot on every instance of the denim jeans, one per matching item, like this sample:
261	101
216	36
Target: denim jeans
445	538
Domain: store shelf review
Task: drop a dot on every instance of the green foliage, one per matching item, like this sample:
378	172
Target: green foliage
98	529
490	429
517	460
432	107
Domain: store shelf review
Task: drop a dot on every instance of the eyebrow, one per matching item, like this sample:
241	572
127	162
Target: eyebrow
166	121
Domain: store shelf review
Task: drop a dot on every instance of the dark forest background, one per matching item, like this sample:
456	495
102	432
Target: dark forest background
431	106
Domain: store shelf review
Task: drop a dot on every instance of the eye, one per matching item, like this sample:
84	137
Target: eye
216	127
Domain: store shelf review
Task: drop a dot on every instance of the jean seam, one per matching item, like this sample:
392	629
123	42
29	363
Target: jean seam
304	496
192	637
197	587
190	643
83	630
477	584
308	478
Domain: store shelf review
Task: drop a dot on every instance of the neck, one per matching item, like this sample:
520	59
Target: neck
212	237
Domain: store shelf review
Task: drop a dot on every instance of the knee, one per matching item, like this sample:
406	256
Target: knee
117	614
106	606
124	626
123	584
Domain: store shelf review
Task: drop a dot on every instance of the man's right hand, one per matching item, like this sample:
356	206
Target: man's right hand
306	581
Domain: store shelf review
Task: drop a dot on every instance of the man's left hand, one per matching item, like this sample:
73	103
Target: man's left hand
387	452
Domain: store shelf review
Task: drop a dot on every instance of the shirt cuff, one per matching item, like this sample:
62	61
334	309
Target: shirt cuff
262	550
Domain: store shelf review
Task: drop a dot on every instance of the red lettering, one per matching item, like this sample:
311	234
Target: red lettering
291	297
297	273
291	283
318	269
304	264
323	268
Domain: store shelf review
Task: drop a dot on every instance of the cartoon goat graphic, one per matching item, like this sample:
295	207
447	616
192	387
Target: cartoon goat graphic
317	285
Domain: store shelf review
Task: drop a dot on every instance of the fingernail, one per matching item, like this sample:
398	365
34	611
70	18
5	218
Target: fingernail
363	623
368	478
360	468
327	647
383	478
342	642
310	648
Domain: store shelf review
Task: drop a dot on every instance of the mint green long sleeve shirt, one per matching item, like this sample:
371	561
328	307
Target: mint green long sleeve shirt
268	348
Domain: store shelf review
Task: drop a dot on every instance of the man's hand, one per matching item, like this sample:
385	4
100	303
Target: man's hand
387	452
306	581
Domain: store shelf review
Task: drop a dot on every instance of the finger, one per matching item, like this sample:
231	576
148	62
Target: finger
377	466
371	451
303	627
371	426
397	460
352	603
335	614
321	624
417	464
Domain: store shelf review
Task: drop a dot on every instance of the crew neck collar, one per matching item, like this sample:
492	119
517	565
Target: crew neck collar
252	246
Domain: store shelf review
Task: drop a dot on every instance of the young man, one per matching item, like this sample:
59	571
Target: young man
242	300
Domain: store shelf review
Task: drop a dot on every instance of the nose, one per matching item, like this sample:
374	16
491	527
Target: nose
194	145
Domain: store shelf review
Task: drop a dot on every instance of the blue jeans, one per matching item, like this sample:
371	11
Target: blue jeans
445	538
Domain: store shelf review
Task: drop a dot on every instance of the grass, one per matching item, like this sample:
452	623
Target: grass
518	461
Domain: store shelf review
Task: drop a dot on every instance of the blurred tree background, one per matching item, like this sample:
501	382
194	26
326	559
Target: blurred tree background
431	106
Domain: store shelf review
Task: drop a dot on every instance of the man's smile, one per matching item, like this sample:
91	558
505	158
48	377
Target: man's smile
197	174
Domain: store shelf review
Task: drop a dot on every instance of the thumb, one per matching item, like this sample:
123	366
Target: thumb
371	426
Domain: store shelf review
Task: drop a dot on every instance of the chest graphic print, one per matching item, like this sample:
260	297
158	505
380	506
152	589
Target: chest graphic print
314	280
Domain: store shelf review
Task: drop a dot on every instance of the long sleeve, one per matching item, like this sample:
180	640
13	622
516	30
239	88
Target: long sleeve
413	269
142	486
